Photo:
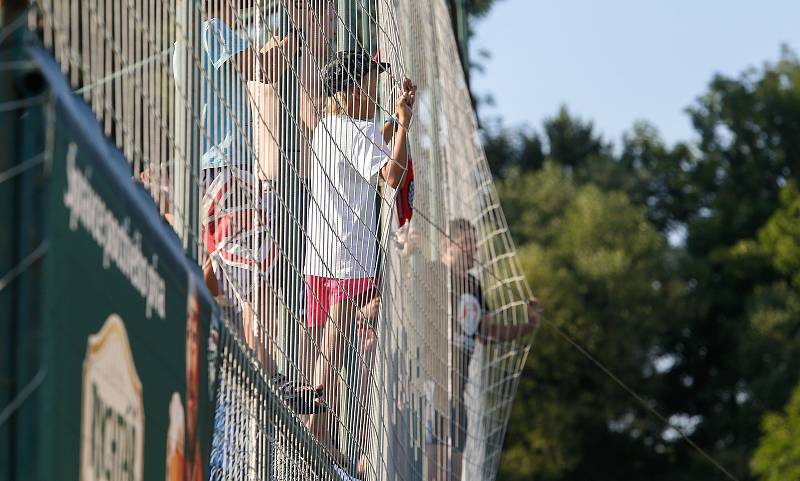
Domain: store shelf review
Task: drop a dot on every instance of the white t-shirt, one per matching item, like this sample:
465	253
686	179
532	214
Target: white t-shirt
348	155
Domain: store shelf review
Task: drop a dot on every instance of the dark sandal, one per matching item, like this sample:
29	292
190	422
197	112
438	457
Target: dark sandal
302	398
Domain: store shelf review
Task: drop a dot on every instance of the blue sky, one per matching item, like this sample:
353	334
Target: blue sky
616	61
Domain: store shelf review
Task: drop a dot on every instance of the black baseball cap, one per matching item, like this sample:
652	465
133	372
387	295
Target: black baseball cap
347	67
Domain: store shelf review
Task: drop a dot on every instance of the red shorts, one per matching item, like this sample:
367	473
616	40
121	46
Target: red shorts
324	292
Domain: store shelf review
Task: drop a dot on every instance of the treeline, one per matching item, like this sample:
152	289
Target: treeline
678	267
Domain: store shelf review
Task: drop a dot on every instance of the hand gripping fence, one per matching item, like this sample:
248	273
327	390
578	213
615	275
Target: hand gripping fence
370	322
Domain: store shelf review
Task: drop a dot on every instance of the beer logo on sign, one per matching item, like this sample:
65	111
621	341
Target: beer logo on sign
112	421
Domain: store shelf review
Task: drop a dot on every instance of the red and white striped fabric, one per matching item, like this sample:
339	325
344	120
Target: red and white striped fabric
405	196
237	215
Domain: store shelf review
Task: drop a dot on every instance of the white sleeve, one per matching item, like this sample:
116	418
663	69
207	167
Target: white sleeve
220	42
380	154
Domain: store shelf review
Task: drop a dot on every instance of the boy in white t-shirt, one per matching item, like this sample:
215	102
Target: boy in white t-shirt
349	153
239	199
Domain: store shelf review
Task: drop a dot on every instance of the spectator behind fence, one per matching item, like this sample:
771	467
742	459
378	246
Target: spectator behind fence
470	322
238	203
349	153
311	25
285	114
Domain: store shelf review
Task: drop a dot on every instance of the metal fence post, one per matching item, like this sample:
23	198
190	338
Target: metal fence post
180	160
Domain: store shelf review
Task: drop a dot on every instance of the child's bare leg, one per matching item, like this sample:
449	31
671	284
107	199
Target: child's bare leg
368	344
268	348
310	348
266	330
365	374
327	371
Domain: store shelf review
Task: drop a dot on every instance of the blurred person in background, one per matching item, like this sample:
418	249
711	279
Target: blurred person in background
469	322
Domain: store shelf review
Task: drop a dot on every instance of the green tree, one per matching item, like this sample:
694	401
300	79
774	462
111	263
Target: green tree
512	152
776	314
571	143
728	369
716	342
479	8
778	456
593	256
750	139
654	175
781	234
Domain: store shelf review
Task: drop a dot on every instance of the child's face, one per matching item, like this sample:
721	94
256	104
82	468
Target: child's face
367	95
461	251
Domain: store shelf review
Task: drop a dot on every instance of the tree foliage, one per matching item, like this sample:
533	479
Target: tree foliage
678	266
479	8
778	456
594	257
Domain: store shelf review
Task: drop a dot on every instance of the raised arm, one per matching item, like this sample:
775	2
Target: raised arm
388	130
273	59
393	171
502	333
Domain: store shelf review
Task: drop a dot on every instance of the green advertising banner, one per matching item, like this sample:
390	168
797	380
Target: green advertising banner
125	322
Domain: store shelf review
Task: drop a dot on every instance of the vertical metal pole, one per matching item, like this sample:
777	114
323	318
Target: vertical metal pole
195	96
180	160
348	25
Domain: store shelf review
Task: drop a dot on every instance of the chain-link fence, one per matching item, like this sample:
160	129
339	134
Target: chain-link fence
320	160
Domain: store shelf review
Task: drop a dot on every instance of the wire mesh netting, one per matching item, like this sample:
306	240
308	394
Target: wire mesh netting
321	161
